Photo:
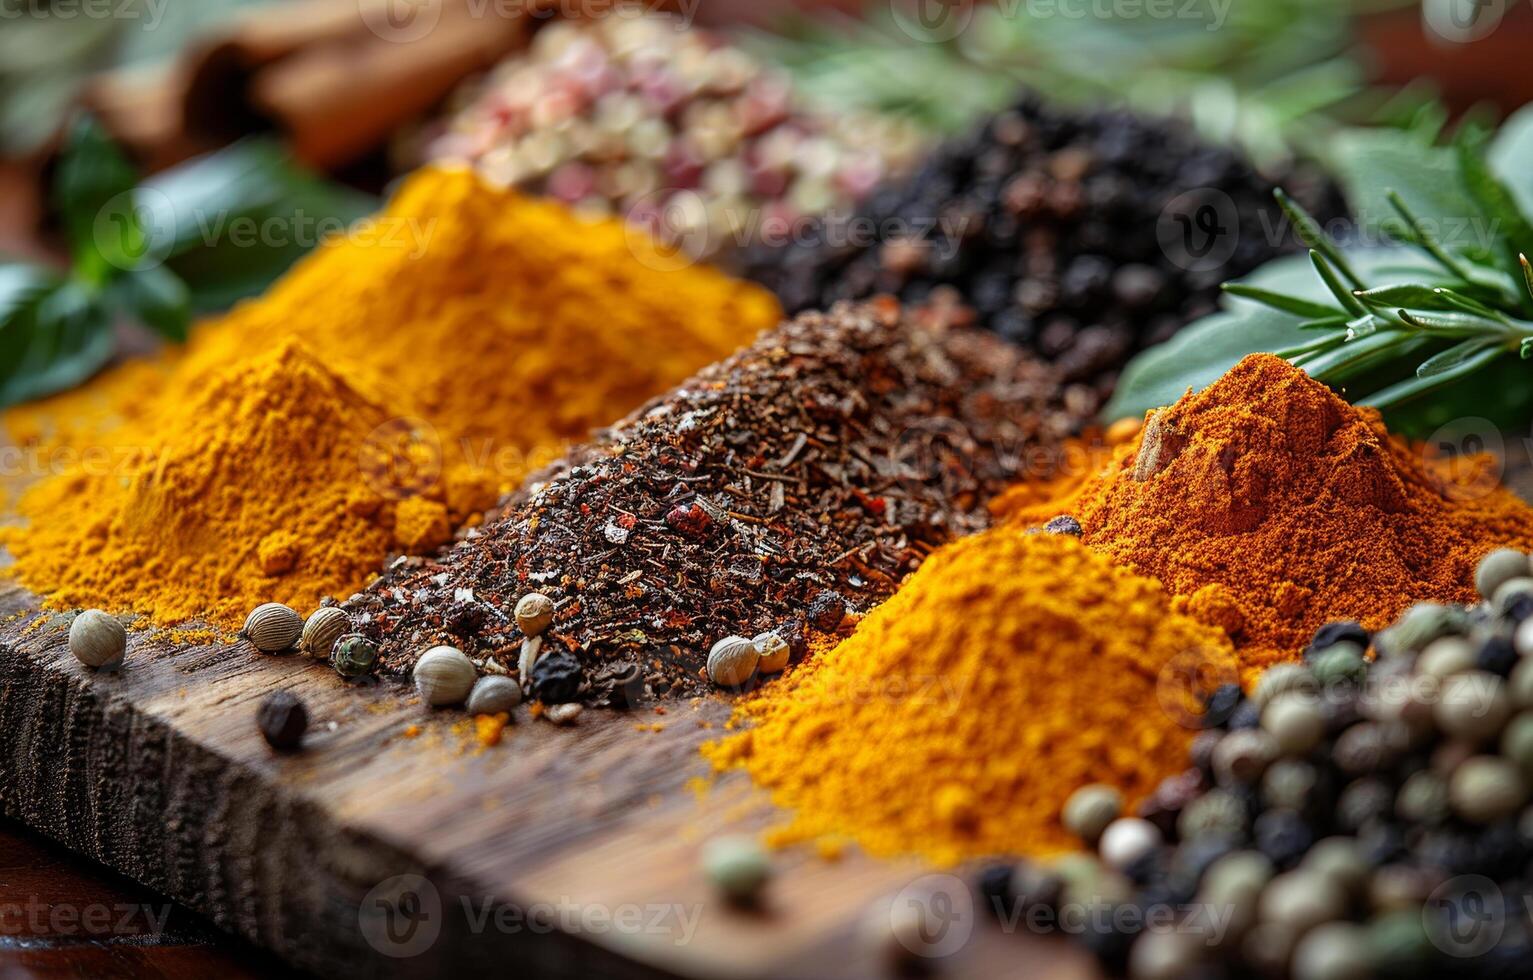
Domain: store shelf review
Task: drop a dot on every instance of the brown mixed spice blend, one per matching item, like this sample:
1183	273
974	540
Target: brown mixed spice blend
806	474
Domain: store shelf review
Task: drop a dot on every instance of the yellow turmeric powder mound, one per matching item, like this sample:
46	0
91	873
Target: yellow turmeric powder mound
1008	671
203	523
1268	506
486	330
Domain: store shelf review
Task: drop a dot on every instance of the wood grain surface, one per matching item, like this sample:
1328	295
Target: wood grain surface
568	851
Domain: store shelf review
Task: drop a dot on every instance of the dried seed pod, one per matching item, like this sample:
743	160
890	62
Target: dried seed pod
532	649
272	627
563	714
732	661
97	640
534	613
282	719
443	675
354	655
324	626
773	650
492	695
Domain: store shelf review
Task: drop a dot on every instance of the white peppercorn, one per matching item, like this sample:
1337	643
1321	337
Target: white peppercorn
1498	568
98	640
1295	723
732	661
1487	788
1090	809
534	613
443	676
1126	840
493	694
1474	706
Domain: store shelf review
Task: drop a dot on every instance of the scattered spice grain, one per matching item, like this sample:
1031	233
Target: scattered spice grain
823	463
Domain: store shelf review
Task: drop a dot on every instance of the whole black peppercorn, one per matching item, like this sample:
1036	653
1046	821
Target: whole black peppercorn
1341	631
282	719
1497	656
556	677
1247	714
827	610
1221	704
994	888
1282	835
1063	524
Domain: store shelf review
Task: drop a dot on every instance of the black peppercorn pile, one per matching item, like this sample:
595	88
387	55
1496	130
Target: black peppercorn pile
1350	818
810	471
1052	226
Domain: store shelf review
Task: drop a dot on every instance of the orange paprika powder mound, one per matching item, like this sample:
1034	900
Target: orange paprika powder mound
1269	506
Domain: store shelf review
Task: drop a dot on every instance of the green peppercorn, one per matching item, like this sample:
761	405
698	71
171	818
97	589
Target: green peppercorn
1446	656
354	655
1398	943
1090	809
1302	900
1215	812
1339	860
1487	788
1498	568
1289	784
1281	679
1242	756
1423	799
1340	663
1474	706
1334	951
1421	624
738	867
1517	743
1295	722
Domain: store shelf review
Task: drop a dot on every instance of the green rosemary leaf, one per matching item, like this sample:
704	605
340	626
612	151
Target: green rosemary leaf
1404	294
1468	304
1527	272
1444	361
1452	324
1279	301
1311	234
1412	388
1334	322
1424	241
1343	295
1298	352
1366	325
1358	355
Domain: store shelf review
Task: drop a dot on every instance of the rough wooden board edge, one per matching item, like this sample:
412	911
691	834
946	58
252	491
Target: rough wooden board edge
90	770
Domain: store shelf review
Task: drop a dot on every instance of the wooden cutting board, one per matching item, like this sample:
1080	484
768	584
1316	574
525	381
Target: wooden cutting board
560	851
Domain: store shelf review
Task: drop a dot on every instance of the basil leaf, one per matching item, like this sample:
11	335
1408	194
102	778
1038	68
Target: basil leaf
94	193
158	299
1369	163
69	339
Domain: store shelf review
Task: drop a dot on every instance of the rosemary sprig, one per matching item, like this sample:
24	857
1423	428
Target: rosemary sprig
1463	317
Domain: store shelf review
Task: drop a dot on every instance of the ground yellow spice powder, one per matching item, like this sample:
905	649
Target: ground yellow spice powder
1008	671
472	334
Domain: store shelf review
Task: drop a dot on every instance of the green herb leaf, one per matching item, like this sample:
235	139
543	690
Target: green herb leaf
68	339
1311	234
1343	295
1445	361
1278	301
1497	203
158	299
94	194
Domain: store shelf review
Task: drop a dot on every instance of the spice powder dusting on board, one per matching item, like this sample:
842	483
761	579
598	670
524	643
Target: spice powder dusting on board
816	468
1269	506
426	362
